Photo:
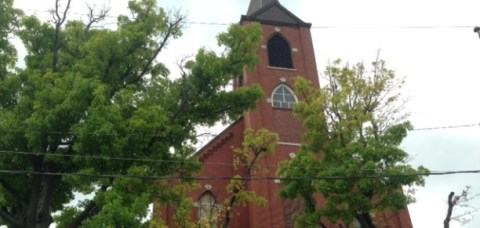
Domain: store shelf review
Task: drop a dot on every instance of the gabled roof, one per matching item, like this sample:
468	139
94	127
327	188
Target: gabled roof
273	13
213	145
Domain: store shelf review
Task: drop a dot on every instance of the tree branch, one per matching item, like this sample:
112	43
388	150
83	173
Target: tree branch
171	27
13	192
59	20
92	19
8	218
451	204
90	210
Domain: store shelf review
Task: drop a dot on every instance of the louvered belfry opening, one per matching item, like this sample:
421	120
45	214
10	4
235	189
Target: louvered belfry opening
279	54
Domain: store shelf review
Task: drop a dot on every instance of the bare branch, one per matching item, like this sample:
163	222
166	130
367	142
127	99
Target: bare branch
65	12
461	200
462	218
172	26
59	20
181	64
92	18
57	15
451	204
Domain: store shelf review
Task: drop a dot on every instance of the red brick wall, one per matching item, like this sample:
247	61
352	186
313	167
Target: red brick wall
219	163
277	213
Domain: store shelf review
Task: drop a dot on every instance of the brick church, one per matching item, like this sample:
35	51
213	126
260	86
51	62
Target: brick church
285	52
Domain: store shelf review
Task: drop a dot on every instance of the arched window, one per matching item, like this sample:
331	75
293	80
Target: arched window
283	97
207	209
279	54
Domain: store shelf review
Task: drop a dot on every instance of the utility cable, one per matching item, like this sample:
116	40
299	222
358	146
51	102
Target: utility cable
96	157
69	133
313	27
447	127
254	178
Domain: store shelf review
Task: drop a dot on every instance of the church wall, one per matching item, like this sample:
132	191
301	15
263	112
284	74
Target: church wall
217	161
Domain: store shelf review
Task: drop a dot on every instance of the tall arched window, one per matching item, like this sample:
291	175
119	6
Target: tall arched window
279	53
283	97
207	210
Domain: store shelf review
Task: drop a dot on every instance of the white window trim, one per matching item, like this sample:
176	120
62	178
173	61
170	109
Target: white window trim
286	87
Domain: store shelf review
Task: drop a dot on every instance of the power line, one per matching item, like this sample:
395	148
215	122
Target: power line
173	161
166	161
70	133
9	152
447	127
254	178
415	27
397	27
111	158
85	156
204	134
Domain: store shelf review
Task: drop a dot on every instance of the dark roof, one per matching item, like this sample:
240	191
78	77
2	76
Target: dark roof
273	13
255	5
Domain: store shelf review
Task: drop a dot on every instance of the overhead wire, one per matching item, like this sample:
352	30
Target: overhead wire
252	178
312	27
447	127
207	134
229	164
150	160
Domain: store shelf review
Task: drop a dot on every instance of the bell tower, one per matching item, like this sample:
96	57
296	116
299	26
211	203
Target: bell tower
286	52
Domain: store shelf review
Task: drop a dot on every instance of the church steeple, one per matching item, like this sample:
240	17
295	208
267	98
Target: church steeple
255	5
273	13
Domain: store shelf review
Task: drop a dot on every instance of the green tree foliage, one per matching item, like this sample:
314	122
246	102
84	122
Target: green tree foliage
100	92
9	19
256	145
351	153
177	198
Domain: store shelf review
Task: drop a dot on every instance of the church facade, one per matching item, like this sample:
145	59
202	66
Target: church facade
285	52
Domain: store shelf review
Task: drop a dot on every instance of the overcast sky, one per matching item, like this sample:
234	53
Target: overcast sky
430	42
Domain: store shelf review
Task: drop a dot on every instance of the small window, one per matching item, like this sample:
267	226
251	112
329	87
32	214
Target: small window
283	97
208	210
279	54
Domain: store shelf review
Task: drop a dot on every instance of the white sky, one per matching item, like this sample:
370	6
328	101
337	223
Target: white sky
440	65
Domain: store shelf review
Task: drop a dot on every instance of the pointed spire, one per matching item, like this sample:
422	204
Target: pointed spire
255	5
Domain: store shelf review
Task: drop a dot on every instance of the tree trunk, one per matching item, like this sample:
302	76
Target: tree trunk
38	214
365	220
446	222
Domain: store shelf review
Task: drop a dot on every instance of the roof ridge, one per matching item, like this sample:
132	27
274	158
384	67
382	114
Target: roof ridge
256	6
264	15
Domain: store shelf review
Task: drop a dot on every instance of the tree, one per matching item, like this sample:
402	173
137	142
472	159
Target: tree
256	146
9	19
94	112
351	153
463	201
